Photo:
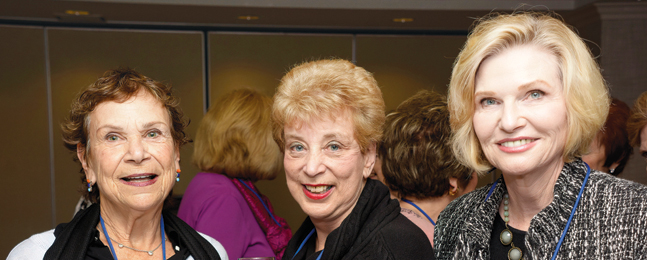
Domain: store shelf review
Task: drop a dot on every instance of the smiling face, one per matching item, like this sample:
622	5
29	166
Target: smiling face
132	155
325	168
520	117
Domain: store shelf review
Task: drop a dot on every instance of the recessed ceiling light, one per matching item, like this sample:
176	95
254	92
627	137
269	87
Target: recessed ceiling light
77	12
248	17
403	20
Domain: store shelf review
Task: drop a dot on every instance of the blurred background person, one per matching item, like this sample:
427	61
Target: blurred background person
527	98
417	164
610	149
234	148
637	125
126	131
327	118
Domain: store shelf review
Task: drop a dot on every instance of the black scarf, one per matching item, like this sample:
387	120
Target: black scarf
374	210
73	238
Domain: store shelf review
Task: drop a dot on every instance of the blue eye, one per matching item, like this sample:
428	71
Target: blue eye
297	148
488	102
334	147
536	94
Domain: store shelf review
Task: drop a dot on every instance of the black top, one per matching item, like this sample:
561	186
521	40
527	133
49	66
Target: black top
75	239
374	230
98	251
497	249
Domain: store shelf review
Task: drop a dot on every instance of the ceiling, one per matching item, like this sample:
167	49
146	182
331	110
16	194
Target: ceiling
426	16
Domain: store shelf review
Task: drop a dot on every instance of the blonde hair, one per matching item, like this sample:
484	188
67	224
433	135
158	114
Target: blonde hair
314	90
637	120
235	138
584	89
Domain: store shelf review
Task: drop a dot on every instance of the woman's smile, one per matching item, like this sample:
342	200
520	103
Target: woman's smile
140	180
317	191
517	145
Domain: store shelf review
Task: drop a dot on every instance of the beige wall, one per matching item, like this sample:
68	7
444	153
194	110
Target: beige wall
25	207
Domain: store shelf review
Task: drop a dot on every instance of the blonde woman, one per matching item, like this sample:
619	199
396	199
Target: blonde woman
234	148
527	98
328	116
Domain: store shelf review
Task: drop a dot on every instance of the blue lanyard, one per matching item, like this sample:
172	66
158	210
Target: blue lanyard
304	242
259	198
112	249
568	223
423	212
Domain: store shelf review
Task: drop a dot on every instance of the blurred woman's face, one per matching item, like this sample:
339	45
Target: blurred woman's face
132	156
325	168
520	117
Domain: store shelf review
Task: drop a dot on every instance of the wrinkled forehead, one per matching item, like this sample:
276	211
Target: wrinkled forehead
140	109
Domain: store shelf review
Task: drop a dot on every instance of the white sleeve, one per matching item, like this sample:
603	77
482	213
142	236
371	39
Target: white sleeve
33	247
217	246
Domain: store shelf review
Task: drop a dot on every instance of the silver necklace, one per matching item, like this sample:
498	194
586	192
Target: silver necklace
138	250
506	235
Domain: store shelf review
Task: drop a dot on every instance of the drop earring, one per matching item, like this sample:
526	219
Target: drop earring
177	178
89	185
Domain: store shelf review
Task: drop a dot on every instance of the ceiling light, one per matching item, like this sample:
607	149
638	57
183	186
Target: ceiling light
77	12
403	20
248	17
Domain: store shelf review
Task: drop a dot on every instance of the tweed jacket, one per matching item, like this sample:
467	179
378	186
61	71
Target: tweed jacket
610	221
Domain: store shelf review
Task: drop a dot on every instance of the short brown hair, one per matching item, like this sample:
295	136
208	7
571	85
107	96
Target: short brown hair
314	90
235	138
416	151
614	136
586	94
637	120
116	85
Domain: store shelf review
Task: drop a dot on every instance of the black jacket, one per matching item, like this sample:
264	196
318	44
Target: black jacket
374	230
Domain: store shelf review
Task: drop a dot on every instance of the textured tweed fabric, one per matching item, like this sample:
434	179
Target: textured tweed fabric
610	221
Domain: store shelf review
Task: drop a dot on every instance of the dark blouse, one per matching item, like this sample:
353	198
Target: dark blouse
98	251
497	249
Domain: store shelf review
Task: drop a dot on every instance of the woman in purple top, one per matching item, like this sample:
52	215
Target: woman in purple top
234	148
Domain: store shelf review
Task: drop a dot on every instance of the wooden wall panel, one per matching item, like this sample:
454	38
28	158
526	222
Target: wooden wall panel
403	65
25	208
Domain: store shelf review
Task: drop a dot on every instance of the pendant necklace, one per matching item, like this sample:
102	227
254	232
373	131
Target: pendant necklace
150	252
506	235
506	214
